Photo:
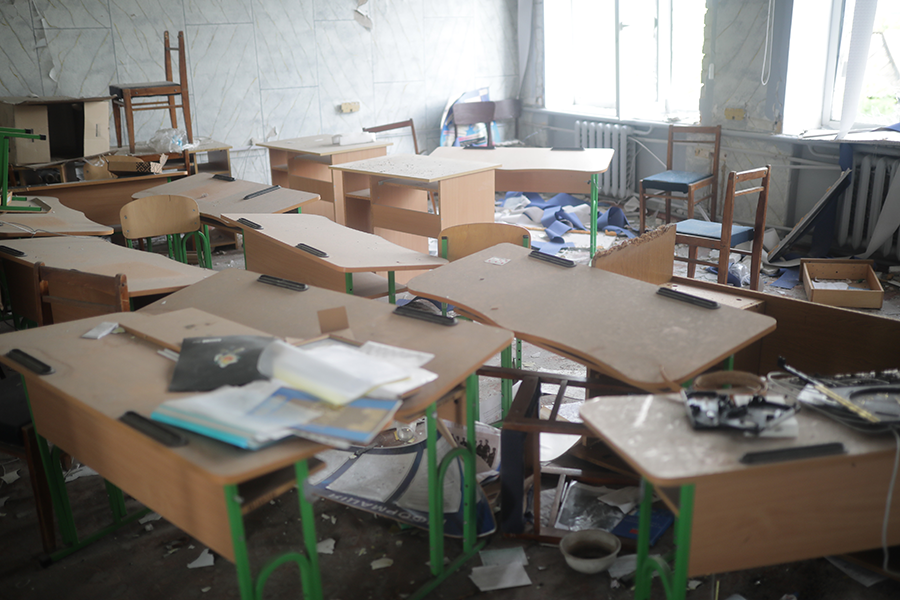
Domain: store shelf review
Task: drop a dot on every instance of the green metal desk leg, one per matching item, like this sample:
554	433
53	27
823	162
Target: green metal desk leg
674	580
307	562
392	288
436	473
505	384
348	283
595	191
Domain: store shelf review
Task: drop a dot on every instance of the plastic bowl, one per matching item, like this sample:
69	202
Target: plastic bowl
590	550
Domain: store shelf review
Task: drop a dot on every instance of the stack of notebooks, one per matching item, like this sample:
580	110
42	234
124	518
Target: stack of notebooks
258	390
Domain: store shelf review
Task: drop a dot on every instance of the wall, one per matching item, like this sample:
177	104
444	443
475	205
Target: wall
268	69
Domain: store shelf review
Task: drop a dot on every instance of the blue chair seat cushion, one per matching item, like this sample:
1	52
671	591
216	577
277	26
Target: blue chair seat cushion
709	229
673	181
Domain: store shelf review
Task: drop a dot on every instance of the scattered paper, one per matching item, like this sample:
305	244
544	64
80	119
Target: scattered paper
325	546
103	329
205	559
625	498
331	518
856	572
499	577
82	471
11	476
496	260
206	589
3	500
382	563
504	556
693	584
150	517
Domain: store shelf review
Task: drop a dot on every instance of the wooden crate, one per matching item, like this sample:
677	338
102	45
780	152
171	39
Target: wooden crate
865	290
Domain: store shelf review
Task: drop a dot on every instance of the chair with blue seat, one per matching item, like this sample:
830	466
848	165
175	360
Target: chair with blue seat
672	184
726	235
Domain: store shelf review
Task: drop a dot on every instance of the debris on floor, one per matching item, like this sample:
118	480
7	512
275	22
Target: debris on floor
206	559
325	546
382	563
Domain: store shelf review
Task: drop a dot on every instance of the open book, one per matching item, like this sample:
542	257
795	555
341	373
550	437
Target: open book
262	412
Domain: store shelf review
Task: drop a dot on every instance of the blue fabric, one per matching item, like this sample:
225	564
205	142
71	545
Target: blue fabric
673	181
709	229
553	214
556	230
732	277
790	277
615	220
557	200
550	247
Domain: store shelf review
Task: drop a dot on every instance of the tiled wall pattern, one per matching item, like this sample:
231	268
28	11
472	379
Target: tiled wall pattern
268	69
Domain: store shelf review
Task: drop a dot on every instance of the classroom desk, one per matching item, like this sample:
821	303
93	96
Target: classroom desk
542	170
352	258
302	164
100	200
147	274
392	200
204	487
616	325
54	220
216	196
734	516
458	351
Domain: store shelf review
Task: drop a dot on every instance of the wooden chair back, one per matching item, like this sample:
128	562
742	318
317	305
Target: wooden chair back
650	257
509	109
757	181
159	215
472	113
708	137
460	241
398	125
68	294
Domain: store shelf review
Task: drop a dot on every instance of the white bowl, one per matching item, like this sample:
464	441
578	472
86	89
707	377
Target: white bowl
590	550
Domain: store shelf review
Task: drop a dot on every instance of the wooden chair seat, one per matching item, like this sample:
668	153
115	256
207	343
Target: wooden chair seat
166	91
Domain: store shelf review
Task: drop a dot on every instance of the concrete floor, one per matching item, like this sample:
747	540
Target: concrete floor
144	561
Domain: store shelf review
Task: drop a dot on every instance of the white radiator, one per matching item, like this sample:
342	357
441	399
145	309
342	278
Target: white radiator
862	202
618	180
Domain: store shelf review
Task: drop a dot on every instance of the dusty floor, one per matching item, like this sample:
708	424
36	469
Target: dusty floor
150	560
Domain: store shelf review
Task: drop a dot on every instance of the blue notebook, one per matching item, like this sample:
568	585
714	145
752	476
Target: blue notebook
660	521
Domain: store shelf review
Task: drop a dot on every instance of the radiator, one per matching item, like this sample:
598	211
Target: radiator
862	201
618	180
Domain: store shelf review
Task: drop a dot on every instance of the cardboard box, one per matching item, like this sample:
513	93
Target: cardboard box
821	275
74	127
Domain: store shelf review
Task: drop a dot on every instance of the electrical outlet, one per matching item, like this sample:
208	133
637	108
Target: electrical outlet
349	107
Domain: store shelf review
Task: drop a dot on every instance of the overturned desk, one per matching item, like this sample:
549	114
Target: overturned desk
315	250
303	164
147	274
203	487
393	200
54	219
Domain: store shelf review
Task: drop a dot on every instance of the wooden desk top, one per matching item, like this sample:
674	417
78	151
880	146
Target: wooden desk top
349	250
589	160
147	273
617	325
97	381
414	167
653	434
82	185
320	145
236	294
216	196
56	219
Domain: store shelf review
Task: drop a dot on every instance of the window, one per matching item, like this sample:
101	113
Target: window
625	58
879	102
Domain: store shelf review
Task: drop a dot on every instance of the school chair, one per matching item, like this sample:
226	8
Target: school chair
398	125
176	217
460	241
726	235
132	97
68	294
474	113
509	109
684	185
